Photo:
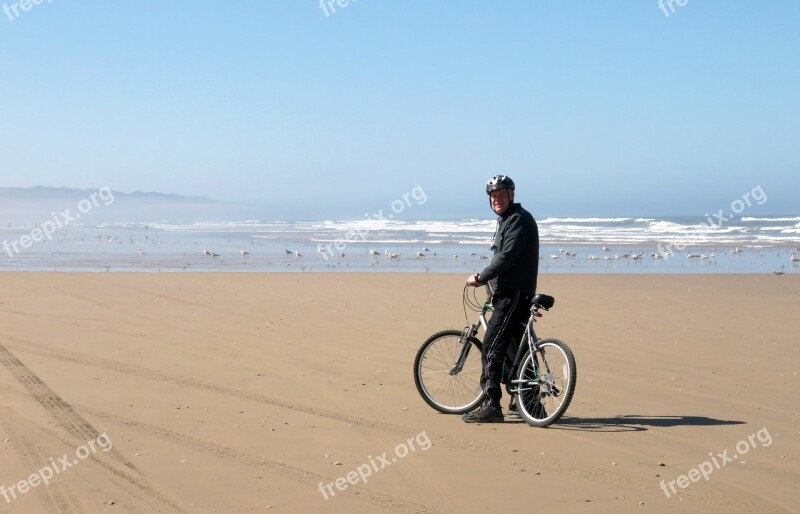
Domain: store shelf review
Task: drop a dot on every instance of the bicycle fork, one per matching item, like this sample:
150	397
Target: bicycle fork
458	365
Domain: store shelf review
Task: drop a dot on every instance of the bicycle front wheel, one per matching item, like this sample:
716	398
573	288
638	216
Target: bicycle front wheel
546	383
447	372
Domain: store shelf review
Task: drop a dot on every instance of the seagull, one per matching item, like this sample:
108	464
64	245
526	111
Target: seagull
606	249
141	252
206	252
736	250
341	254
455	256
425	249
297	253
373	252
592	257
637	256
554	256
473	253
420	254
570	254
794	258
245	252
394	255
287	252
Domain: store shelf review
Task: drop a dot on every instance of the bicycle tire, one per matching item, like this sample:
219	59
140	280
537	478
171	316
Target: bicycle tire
538	402
464	385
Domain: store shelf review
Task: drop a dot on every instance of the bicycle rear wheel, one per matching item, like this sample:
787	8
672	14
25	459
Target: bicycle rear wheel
447	385
546	383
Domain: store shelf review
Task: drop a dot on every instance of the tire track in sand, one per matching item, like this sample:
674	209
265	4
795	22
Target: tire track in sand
55	497
285	470
81	430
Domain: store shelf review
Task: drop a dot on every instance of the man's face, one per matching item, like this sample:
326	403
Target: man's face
501	199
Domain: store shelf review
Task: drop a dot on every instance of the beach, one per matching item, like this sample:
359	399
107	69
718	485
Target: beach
254	392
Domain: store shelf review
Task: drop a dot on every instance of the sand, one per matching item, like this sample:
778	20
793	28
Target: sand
244	392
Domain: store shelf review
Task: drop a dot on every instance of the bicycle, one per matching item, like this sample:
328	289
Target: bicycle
447	367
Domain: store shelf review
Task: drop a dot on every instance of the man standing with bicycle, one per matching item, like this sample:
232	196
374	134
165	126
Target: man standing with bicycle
513	273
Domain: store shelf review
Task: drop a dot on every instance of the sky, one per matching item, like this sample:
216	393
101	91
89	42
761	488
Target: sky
615	108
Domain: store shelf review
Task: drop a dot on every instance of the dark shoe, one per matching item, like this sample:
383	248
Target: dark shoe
513	412
486	413
473	412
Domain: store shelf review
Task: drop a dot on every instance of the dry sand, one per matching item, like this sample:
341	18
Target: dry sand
241	392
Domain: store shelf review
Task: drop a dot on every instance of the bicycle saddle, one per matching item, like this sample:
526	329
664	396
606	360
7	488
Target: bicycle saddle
543	301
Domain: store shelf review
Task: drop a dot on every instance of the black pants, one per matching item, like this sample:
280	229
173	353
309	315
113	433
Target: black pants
511	313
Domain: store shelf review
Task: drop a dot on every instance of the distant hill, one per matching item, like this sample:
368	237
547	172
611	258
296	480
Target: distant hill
34	205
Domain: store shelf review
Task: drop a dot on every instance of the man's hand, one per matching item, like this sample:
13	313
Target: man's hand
474	280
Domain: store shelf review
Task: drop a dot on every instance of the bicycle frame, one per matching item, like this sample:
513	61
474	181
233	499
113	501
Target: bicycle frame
528	337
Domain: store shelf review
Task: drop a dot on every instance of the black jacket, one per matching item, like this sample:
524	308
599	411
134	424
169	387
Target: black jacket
515	264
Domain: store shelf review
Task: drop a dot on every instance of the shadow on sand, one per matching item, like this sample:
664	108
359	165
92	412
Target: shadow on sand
637	423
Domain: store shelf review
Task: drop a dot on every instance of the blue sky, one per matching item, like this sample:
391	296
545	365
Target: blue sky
594	108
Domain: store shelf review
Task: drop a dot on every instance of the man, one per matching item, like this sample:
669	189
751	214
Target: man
513	273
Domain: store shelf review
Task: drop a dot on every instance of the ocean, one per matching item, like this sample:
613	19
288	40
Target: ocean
568	245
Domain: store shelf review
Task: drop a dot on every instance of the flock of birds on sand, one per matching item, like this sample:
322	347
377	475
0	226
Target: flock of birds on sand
606	254
325	254
426	252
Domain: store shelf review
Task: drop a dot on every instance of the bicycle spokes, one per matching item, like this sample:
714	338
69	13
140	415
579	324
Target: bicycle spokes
448	371
546	383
